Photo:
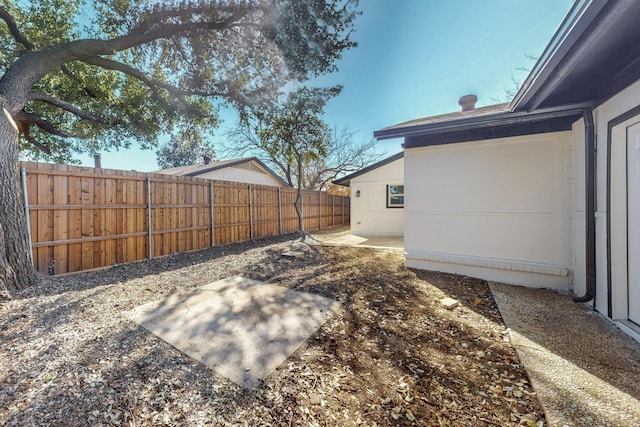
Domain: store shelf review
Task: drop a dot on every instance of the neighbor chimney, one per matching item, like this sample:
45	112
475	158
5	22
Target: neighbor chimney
96	161
468	102
207	160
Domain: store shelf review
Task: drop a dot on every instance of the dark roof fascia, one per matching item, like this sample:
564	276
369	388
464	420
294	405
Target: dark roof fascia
500	119
551	124
236	163
569	42
346	180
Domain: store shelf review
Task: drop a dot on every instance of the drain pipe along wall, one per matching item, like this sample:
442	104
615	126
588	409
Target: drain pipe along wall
590	206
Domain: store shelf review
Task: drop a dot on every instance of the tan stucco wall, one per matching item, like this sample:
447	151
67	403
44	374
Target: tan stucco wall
498	209
369	212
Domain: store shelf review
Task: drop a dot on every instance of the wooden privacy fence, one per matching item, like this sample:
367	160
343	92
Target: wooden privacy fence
82	218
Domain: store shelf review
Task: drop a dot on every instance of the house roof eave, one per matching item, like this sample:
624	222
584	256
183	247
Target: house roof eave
573	26
593	55
237	162
505	118
346	180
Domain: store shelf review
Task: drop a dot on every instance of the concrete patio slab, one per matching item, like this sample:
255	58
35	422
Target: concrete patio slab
241	328
387	242
584	370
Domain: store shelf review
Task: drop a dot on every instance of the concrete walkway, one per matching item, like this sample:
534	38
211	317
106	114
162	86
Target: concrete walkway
585	371
241	328
364	241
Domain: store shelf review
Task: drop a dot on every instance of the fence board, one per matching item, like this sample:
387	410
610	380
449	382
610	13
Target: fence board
83	218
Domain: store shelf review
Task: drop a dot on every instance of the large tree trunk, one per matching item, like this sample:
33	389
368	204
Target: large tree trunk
298	202
16	268
298	205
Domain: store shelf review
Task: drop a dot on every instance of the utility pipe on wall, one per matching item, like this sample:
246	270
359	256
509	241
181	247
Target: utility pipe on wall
590	205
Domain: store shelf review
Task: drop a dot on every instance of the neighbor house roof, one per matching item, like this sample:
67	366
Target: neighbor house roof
346	180
213	165
593	55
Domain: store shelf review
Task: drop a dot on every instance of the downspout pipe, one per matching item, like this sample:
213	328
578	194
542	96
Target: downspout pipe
590	205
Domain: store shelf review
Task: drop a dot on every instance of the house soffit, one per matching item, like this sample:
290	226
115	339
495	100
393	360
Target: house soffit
599	55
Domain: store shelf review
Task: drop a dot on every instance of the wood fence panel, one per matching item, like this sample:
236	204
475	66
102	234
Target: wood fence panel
265	211
110	225
289	215
61	216
99	255
347	210
74	232
45	223
83	218
231	213
142	249
311	210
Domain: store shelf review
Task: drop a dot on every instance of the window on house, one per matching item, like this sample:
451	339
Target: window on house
395	196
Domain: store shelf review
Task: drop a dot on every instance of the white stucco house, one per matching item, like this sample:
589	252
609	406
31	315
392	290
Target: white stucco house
377	198
249	170
543	191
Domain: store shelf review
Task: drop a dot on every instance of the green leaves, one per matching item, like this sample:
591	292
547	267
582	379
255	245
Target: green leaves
145	68
294	131
186	148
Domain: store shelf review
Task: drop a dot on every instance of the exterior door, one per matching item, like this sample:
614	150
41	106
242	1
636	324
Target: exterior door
633	221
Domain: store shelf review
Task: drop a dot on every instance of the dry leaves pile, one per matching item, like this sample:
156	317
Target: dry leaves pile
393	356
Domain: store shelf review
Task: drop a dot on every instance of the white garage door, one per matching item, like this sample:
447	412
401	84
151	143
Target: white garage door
633	221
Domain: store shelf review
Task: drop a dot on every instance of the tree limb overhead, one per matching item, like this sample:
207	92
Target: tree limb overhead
56	102
13	29
30	118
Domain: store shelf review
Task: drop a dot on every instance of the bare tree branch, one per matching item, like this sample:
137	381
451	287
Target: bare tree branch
153	28
176	92
67	72
153	84
157	16
29	118
13	29
27	135
56	102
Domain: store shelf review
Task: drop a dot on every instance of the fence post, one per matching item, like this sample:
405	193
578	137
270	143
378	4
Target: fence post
319	210
23	174
213	230
149	236
250	214
342	197
333	210
280	210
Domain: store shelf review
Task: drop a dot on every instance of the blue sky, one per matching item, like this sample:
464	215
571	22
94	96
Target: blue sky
416	58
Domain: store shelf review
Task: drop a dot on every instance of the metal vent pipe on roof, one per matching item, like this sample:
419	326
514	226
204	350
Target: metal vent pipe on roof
468	102
207	160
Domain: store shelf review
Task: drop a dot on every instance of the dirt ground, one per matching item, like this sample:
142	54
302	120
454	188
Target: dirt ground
393	356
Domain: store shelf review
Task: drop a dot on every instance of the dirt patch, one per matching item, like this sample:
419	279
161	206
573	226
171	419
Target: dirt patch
393	356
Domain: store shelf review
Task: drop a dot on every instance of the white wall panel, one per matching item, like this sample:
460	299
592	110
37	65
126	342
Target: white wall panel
503	201
369	212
